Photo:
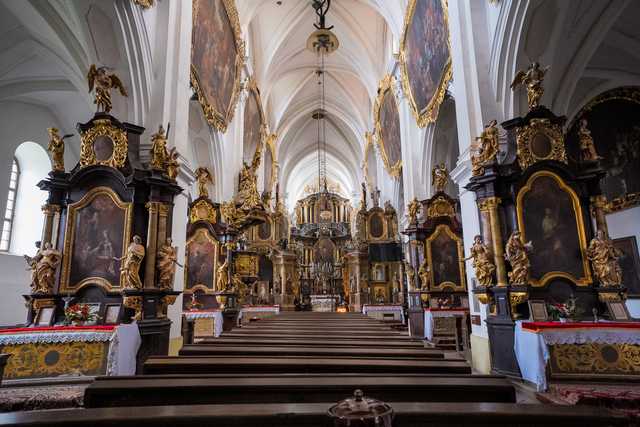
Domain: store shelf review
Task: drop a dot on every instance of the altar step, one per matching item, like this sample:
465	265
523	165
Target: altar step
436	414
313	342
293	388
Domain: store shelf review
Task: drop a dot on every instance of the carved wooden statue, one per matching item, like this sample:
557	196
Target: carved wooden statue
481	256
173	166
130	269
532	79
56	148
203	176
248	195
440	177
488	143
587	147
100	79
516	254
423	272
412	210
411	276
167	262
159	152
222	275
604	259
32	262
43	266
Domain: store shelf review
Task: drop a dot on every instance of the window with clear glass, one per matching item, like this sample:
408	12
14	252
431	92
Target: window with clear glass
7	223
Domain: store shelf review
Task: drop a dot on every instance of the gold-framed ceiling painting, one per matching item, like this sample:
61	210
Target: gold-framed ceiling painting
387	127
217	55
254	124
425	58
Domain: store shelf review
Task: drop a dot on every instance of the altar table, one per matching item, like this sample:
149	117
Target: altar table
577	350
431	314
202	322
248	312
378	311
42	352
323	303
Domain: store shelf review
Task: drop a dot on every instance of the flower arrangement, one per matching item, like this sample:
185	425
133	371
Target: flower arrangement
566	310
79	313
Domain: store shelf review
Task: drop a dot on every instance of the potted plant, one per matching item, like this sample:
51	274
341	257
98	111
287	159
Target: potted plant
77	314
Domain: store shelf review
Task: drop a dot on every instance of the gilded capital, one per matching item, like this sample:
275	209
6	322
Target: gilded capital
489	203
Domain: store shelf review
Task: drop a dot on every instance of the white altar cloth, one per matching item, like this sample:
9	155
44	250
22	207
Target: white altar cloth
431	313
216	315
386	308
275	309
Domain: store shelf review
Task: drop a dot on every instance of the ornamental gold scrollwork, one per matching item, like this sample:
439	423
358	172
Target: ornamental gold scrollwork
530	145
595	358
103	128
203	211
145	4
134	303
515	299
440	207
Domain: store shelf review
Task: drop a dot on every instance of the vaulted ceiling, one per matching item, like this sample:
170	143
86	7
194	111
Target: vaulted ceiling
285	70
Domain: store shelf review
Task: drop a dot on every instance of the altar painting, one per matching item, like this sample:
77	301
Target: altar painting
387	124
444	252
200	258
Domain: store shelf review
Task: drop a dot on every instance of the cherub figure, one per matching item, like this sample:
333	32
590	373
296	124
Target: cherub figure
532	79
100	79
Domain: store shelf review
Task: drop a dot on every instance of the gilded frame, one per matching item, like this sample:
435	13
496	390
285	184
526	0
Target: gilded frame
386	85
525	136
216	246
444	228
203	210
103	128
586	280
430	113
219	119
70	232
385	226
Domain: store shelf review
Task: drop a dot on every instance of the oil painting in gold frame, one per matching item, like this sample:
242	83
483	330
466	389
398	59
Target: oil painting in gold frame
386	118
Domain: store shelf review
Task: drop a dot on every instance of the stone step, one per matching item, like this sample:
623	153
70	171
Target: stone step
312	341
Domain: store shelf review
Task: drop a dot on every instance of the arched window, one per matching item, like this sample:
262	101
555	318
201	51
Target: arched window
7	224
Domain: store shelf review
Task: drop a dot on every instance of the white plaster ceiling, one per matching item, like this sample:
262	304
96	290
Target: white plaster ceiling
285	70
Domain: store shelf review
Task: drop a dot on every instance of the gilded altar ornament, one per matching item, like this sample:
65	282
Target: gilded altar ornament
248	195
604	259
134	303
56	148
440	177
103	82
232	215
516	253
413	208
481	256
540	140
103	129
515	299
532	79
130	270
587	147
423	272
203	176
440	206
486	148
145	4
167	262
43	268
159	152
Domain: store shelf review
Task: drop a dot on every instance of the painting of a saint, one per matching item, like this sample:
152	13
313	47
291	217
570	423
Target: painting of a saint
99	239
215	59
425	59
200	260
445	265
389	129
252	126
548	219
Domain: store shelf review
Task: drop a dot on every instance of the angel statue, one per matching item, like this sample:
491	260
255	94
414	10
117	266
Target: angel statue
413	209
167	261
159	152
103	82
130	269
587	147
516	253
532	79
481	256
56	148
203	176
487	148
604	259
440	177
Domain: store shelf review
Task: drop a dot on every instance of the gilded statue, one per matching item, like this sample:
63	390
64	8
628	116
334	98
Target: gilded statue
587	147
440	177
487	150
231	214
423	272
203	176
413	208
532	79
100	79
159	152
481	256
516	252
222	275
604	259
43	268
248	195
411	276
166	262
173	166
130	269
32	262
56	148
299	219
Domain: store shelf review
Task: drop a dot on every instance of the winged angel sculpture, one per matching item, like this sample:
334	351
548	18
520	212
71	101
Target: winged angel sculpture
103	81
532	79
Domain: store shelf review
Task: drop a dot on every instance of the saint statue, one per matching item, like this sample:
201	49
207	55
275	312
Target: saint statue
46	266
423	272
56	148
440	177
103	82
587	147
222	275
32	262
203	176
363	201
159	152
411	276
604	259
488	143
248	194
167	261
516	253
532	79
173	166
412	209
375	195
482	262
130	269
